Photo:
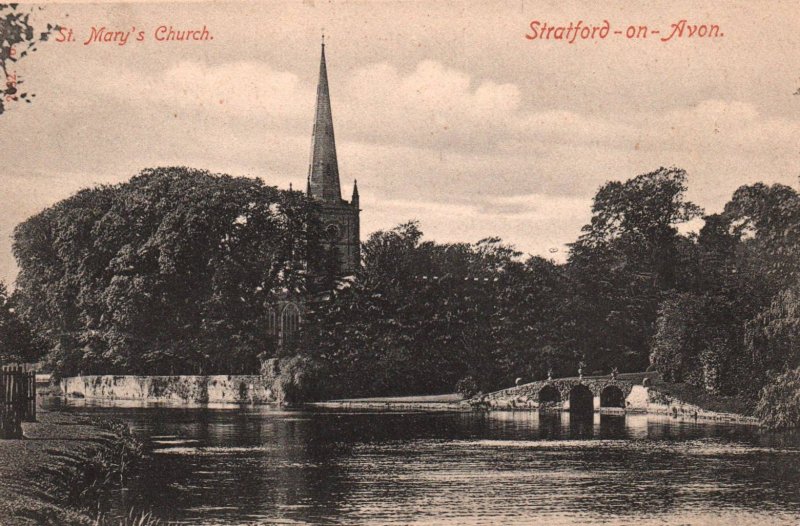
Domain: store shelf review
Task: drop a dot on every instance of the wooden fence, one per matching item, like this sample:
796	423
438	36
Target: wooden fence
17	400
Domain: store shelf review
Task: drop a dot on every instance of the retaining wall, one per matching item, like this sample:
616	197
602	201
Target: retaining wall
252	389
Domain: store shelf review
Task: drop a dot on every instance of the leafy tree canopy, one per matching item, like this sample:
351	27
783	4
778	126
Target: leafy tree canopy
626	258
421	316
171	272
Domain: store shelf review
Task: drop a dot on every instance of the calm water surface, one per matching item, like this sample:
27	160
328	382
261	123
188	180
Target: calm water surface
263	466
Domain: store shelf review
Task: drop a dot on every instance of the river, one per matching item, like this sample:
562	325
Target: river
258	465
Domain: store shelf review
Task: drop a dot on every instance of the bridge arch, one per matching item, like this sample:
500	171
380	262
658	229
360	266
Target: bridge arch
549	397
581	399
612	396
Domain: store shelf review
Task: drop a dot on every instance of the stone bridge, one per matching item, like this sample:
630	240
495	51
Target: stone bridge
606	393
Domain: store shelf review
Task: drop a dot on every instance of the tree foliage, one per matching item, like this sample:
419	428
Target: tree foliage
17	39
174	271
772	337
779	404
635	291
694	342
420	316
17	342
736	328
171	272
626	258
293	379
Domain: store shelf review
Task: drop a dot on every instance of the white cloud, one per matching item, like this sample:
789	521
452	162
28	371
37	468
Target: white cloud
434	106
245	88
712	125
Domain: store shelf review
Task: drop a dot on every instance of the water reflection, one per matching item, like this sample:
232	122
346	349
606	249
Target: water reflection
558	425
550	425
613	426
581	424
260	466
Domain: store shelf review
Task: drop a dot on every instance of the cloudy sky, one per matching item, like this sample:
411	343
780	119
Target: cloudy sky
443	110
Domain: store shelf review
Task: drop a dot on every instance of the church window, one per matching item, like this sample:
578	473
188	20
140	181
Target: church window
332	231
290	321
272	322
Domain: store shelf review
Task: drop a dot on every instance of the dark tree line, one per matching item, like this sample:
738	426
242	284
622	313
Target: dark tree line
173	272
420	316
492	316
717	309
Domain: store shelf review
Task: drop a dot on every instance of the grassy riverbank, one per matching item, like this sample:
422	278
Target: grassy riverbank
442	402
57	473
422	399
694	395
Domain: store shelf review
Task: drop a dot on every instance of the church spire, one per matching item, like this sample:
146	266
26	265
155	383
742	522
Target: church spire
323	170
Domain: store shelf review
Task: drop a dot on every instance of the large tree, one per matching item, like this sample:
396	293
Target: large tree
766	219
171	272
625	259
772	337
735	329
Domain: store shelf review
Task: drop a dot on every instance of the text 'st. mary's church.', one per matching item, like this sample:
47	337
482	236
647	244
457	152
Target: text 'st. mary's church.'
339	218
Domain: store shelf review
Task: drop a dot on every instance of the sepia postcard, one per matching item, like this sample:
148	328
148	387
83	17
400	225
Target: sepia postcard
393	262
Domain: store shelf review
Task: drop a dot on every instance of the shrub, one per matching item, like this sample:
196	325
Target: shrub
293	380
467	387
779	403
125	449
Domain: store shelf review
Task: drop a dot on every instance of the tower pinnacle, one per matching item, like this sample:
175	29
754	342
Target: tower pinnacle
323	170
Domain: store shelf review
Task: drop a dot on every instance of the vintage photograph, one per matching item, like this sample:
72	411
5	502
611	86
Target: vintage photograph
389	262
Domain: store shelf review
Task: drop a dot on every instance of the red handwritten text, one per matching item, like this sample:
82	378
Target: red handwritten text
123	36
588	31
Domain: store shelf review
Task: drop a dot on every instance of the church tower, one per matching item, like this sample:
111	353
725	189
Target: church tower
340	218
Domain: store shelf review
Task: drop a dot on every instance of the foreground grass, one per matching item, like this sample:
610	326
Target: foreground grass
54	475
132	519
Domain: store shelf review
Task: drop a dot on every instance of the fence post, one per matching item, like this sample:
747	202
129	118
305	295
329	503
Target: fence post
12	402
30	396
3	389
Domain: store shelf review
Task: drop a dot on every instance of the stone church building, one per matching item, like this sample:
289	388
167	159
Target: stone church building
340	218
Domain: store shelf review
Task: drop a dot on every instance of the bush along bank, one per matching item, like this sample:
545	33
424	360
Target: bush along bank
779	404
64	469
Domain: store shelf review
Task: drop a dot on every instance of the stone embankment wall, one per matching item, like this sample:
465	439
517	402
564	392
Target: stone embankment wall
254	389
662	404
